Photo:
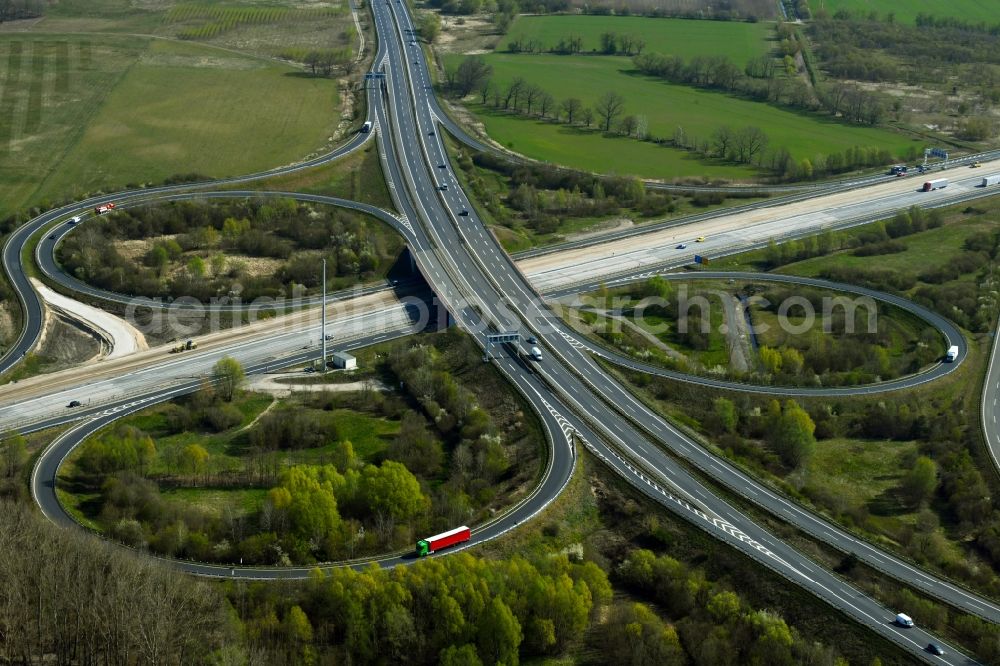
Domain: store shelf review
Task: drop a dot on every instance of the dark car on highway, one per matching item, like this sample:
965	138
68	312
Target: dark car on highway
74	403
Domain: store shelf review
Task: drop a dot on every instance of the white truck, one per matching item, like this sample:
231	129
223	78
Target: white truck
935	184
991	180
903	620
952	354
536	354
367	127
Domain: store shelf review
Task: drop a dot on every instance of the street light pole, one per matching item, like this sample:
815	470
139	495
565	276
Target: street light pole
323	319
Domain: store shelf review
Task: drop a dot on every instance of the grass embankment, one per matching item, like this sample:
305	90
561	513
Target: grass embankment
357	177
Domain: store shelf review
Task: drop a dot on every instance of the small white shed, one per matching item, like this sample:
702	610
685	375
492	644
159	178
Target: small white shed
344	361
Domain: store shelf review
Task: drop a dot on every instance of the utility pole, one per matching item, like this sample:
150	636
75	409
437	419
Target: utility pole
322	332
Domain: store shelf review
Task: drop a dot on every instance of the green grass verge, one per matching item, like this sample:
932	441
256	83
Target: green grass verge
666	107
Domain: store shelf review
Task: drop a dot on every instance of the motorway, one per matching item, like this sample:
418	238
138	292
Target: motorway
483	290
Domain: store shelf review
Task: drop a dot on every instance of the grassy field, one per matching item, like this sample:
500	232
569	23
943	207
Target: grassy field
666	107
738	41
924	249
967	10
182	108
90	101
53	87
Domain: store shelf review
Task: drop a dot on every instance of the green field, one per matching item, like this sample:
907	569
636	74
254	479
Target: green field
972	11
84	112
666	106
183	108
738	41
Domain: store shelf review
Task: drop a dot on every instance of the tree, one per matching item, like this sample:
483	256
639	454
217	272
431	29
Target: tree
472	72
13	454
588	116
499	634
513	94
749	142
921	481
531	94
792	435
546	104
629	125
430	26
571	107
193	459
228	375
723	139
609	107
460	656
392	490
725	411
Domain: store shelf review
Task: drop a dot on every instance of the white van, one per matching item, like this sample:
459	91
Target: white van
536	353
903	620
367	127
951	354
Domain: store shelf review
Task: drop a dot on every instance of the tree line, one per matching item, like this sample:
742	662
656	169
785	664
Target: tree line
739	145
11	10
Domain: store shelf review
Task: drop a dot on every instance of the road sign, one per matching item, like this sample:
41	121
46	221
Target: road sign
500	338
698	259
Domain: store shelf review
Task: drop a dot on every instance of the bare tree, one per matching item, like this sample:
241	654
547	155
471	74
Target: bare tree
514	91
571	107
546	103
532	94
470	75
609	107
628	125
723	139
748	143
588	116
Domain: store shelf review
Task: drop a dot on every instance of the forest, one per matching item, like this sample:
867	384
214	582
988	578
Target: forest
205	250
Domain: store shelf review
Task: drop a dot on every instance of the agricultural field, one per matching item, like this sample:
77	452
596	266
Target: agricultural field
665	107
159	120
87	103
972	11
738	41
85	114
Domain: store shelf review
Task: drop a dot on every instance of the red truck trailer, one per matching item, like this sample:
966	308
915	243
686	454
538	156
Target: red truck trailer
104	208
443	540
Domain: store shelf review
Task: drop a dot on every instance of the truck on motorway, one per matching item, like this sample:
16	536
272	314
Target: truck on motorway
536	354
438	541
991	180
104	208
951	354
367	127
935	184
